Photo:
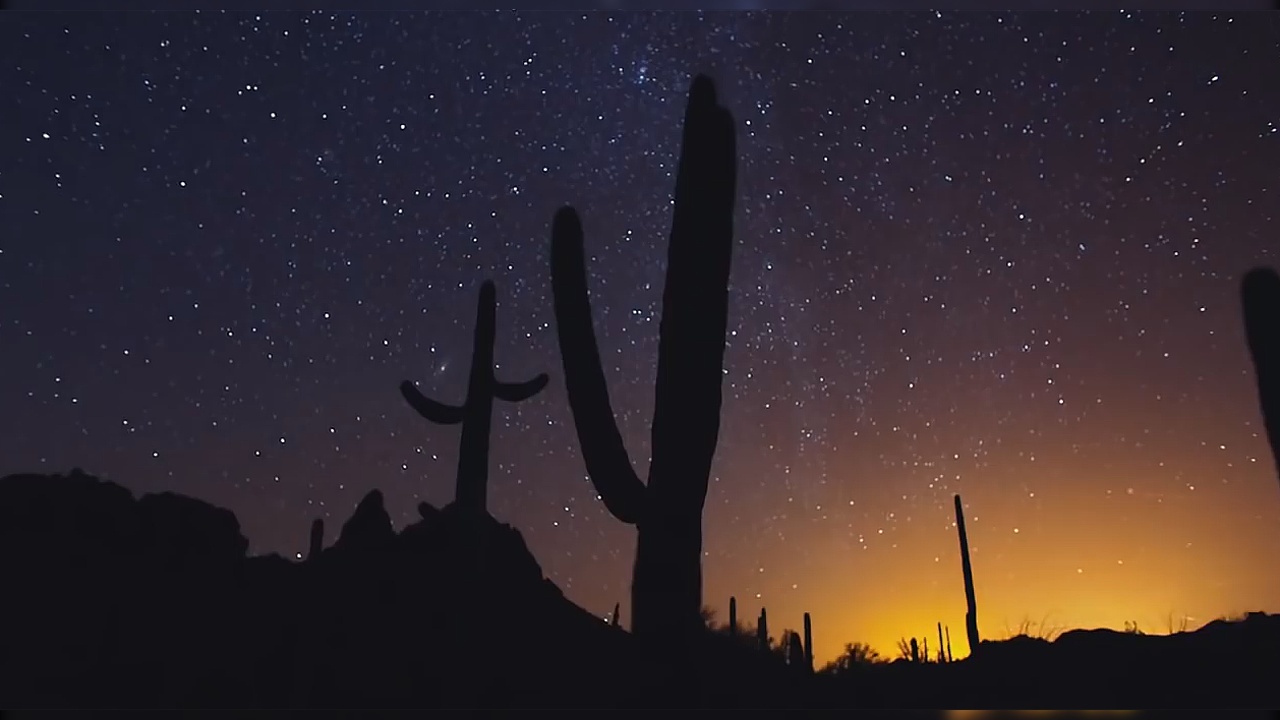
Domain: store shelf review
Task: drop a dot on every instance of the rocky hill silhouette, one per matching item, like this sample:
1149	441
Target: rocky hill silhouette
153	601
1225	664
112	600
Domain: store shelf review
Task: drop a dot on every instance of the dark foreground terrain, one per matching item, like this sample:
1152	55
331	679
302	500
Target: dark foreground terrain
112	600
1222	665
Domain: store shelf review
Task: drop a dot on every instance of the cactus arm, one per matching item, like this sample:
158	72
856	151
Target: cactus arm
603	451
517	392
1260	296
695	302
433	410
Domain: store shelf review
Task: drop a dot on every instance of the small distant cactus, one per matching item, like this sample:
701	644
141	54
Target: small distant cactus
971	602
915	651
762	631
808	642
795	650
476	412
733	616
317	539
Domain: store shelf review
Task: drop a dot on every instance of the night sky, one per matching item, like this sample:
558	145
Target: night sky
988	254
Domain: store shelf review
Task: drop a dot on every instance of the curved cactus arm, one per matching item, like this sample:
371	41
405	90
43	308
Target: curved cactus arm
603	451
433	410
517	392
1260	296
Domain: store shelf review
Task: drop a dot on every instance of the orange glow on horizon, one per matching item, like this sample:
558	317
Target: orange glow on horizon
1097	538
1101	560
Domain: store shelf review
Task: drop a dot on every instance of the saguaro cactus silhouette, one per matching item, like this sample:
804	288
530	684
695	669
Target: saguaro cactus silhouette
971	613
476	412
666	585
1260	296
733	616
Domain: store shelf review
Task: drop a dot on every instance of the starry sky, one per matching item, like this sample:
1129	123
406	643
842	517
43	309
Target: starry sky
988	254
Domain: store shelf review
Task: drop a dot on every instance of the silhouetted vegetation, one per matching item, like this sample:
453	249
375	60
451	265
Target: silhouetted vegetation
316	543
762	631
476	412
808	642
1033	629
666	586
1260	298
971	602
855	655
116	600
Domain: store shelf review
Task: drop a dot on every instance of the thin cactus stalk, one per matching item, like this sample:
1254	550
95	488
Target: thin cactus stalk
762	631
971	602
733	616
317	539
949	658
942	657
915	651
808	642
1260	297
476	412
924	655
666	583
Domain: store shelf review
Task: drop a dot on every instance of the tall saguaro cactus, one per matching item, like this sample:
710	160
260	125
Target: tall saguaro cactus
476	412
1260	296
666	585
971	612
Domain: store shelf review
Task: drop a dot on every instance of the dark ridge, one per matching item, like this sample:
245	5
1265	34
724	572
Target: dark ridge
153	602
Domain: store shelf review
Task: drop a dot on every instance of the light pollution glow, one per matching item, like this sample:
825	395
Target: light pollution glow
1086	557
